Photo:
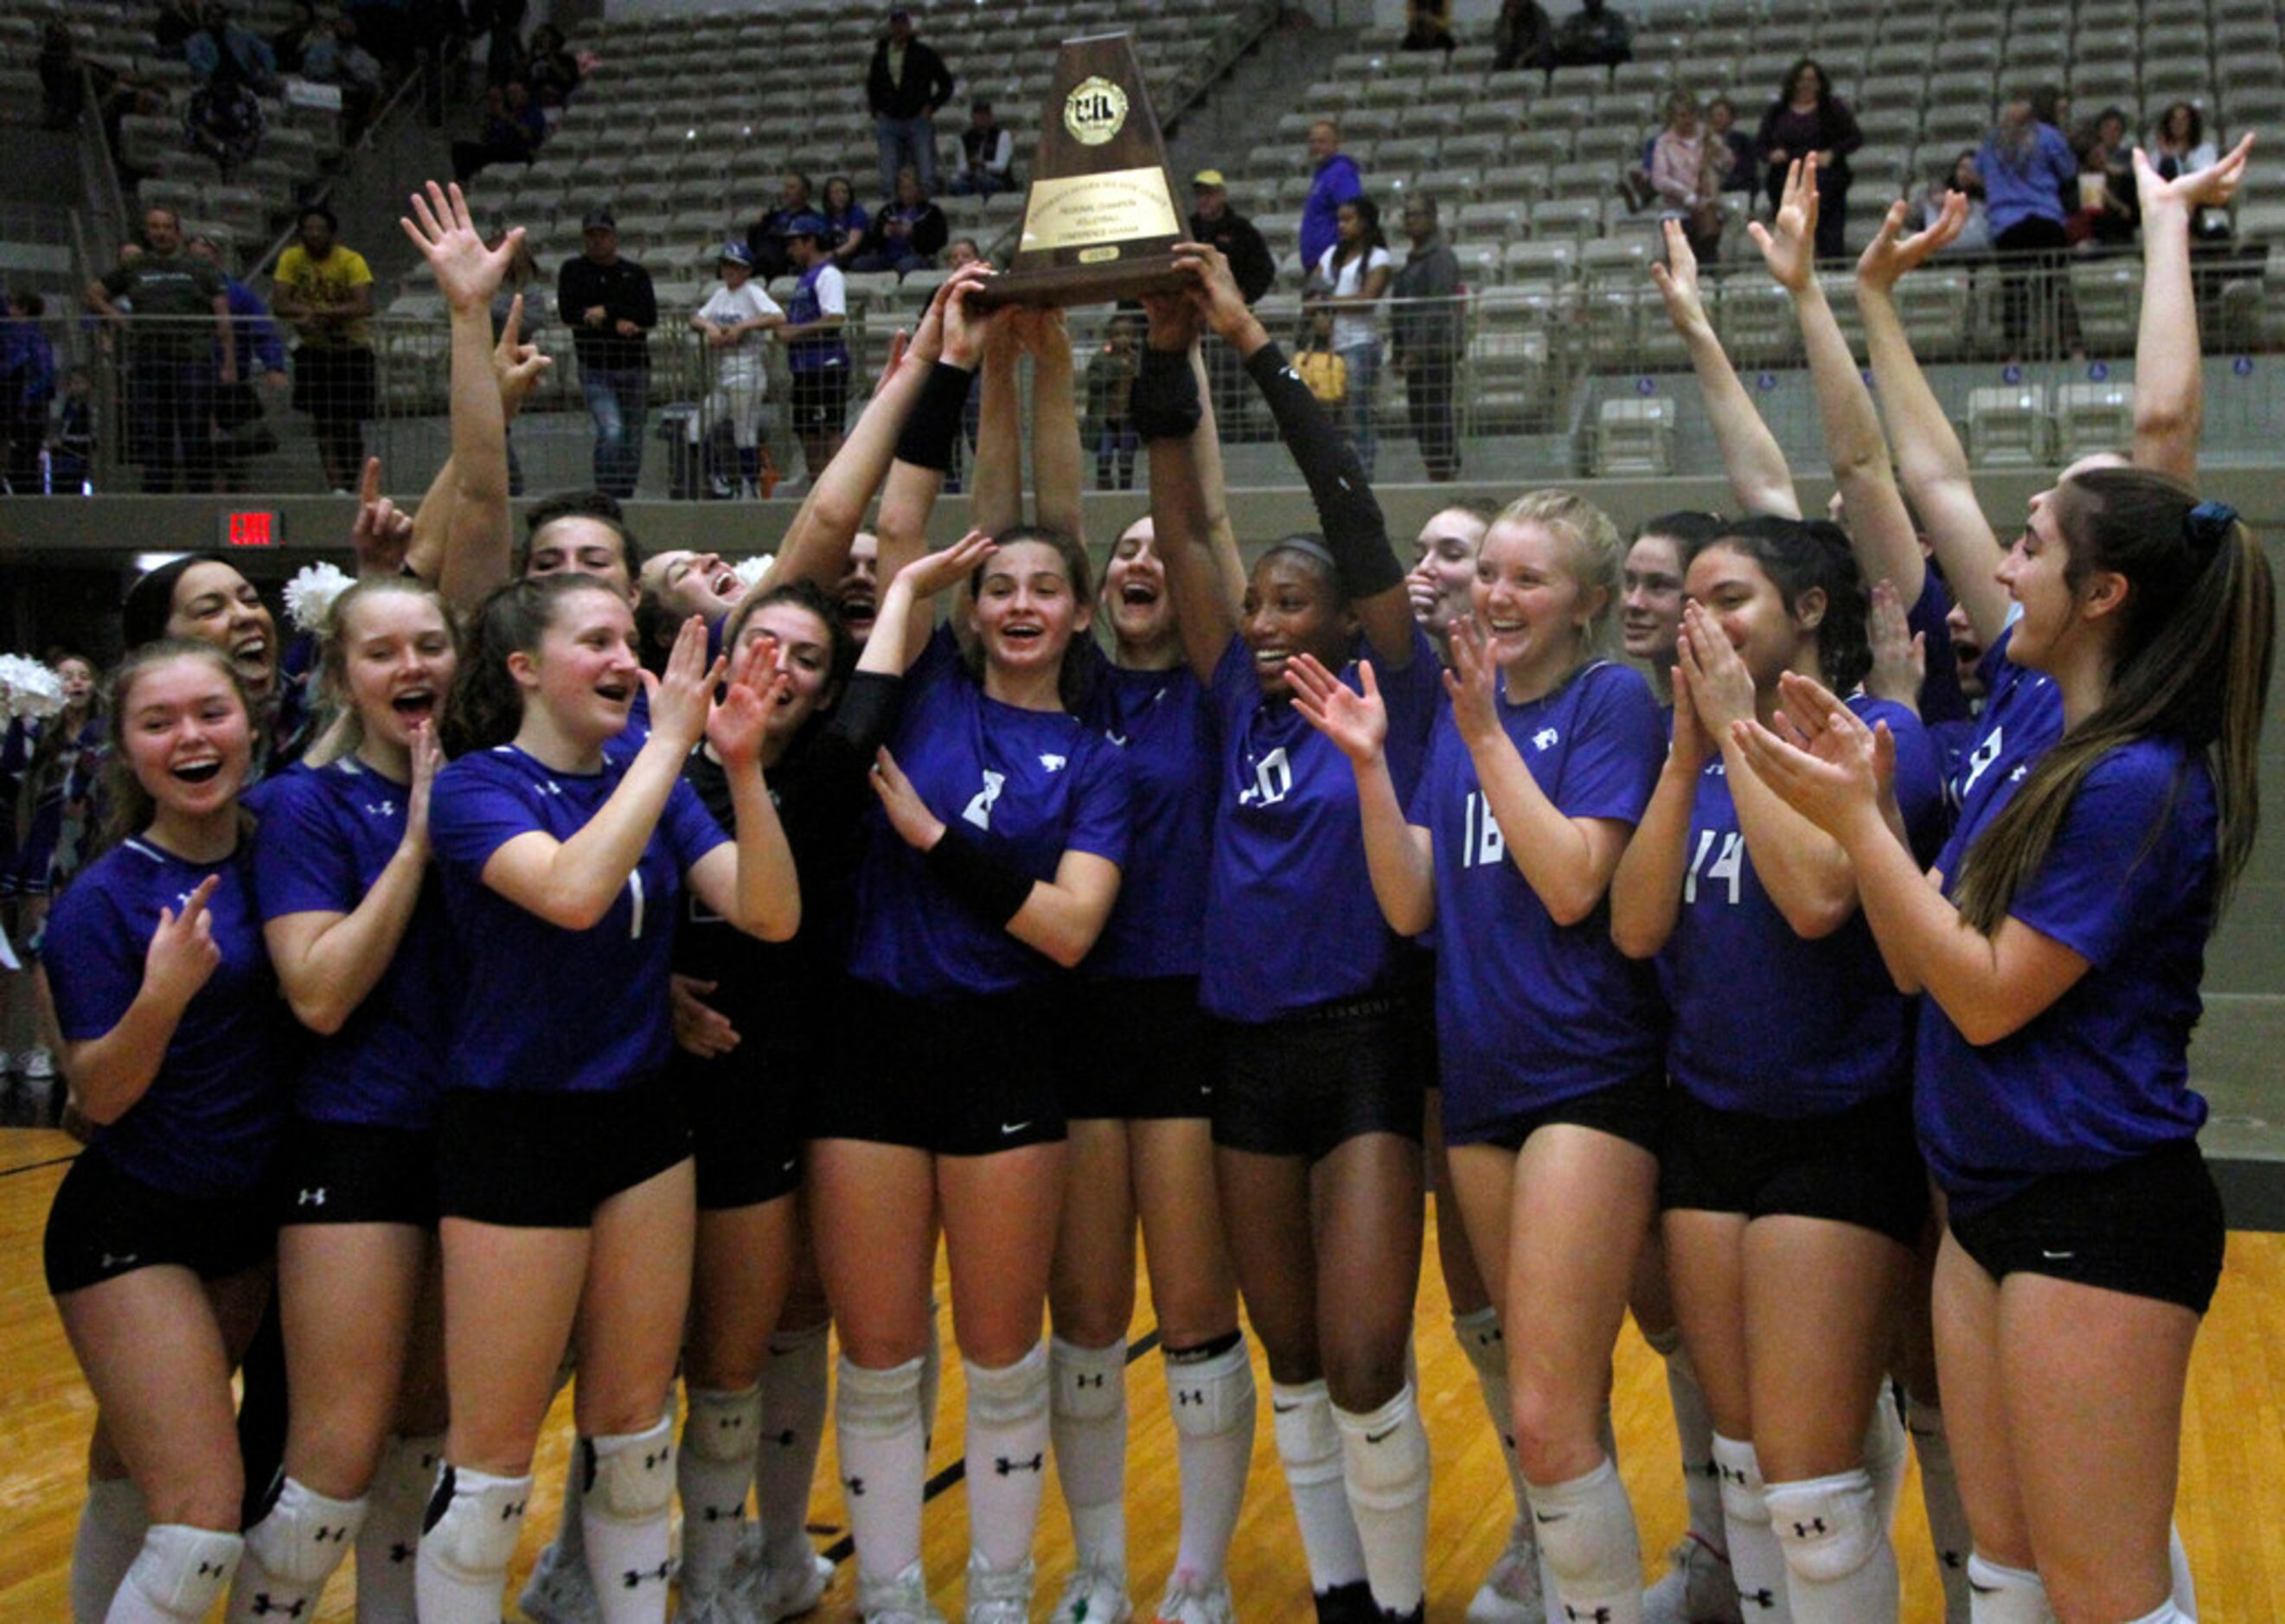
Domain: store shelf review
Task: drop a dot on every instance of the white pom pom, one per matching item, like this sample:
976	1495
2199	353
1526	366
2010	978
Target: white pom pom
310	595
750	571
29	688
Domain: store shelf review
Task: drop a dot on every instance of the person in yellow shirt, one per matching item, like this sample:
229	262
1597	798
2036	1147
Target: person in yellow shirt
325	291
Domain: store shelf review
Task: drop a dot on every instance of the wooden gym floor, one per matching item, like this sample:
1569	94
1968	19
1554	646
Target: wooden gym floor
2232	1514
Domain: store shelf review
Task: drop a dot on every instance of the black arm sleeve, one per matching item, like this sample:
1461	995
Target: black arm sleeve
1357	533
926	441
977	878
1165	402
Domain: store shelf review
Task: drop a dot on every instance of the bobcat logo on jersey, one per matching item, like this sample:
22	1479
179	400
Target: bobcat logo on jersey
1545	738
1054	763
978	810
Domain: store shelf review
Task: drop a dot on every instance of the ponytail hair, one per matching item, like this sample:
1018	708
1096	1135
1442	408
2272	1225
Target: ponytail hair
129	806
344	729
2195	640
486	706
1800	556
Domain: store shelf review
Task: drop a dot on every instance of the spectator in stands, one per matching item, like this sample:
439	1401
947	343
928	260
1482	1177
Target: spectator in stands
1722	123
1594	36
1354	274
27	388
1213	220
71	438
385	26
906	84
63	89
336	58
505	58
907	229
2179	144
1523	35
172	27
224	120
961	251
735	323
170	353
292	42
766	238
1335	181
2109	211
1686	170
221	45
1806	119
612	307
242	432
1109	425
1428	27
1424	333
847	225
555	71
514	129
1958	175
817	354
325	290
987	151
2027	168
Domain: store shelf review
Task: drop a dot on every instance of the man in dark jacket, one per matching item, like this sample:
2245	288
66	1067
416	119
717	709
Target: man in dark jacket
611	308
1424	325
907	83
1213	220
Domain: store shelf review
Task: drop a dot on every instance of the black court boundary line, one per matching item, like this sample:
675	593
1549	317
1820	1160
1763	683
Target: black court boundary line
53	1161
845	1547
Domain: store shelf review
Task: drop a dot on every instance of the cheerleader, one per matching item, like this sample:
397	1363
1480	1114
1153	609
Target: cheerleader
564	1180
354	926
158	1245
1317	1110
1793	1196
2061	948
50	767
1549	1040
997	860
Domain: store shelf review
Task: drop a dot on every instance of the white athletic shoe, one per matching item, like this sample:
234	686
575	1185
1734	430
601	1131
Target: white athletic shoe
1095	1594
774	1593
901	1600
998	1596
1510	1593
560	1592
1188	1600
725	1605
1700	1590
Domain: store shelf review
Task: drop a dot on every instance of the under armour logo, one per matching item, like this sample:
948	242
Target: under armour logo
725	1514
548	786
652	1463
311	1198
1006	1468
1085	1380
1593	1615
509	1513
787	1439
1951	1558
633	1578
400	1552
383	809
1728	1474
855	1486
263	1606
1053	764
208	1570
1815	1525
338	1536
119	1262
1767	1600
2020	773
1544	737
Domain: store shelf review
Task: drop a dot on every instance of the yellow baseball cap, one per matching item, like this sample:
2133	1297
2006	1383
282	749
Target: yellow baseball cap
1208	178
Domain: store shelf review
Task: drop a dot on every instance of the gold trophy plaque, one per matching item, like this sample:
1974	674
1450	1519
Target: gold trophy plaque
1100	218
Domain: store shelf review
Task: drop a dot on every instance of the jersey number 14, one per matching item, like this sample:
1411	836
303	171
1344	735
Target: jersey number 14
1725	867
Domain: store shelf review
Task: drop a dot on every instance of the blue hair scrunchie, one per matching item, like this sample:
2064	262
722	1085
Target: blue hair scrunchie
2208	525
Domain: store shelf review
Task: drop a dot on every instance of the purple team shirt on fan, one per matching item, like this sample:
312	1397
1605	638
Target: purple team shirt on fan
2101	1075
1766	1021
326	835
1290	918
1029	785
543	1008
209	1121
1530	1012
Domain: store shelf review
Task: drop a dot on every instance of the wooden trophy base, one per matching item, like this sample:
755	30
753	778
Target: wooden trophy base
1065	285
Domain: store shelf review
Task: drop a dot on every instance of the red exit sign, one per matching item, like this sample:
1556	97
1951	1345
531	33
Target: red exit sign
252	530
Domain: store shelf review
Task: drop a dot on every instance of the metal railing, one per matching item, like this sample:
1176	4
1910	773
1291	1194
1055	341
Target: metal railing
1536	359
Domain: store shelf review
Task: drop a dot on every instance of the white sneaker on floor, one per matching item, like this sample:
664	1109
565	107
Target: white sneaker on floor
999	1595
1700	1590
1510	1593
901	1600
1188	1600
560	1592
723	1606
777	1592
1095	1594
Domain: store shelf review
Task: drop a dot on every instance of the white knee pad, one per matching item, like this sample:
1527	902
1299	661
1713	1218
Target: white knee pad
722	1427
1212	1396
630	1475
2005	1595
876	1403
1829	1526
1743	1495
180	1573
1309	1440
1385	1453
1013	1395
1088	1383
304	1535
474	1519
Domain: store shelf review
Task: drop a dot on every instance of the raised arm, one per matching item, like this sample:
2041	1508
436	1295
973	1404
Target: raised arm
1057	463
1751	456
750	882
1176	426
1879	526
1928	454
995	476
2169	370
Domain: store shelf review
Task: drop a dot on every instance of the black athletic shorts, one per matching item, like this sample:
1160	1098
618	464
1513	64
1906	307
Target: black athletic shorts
526	1159
820	400
1858	1166
2149	1228
953	1077
105	1223
352	1173
1308	1084
1633	1112
745	1125
1136	1051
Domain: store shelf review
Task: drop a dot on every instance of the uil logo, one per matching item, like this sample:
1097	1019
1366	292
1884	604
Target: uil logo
1095	111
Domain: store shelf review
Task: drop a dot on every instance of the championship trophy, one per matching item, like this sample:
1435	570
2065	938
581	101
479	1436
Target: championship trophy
1099	222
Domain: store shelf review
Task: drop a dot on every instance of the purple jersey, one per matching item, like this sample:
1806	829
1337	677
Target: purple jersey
1164	725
